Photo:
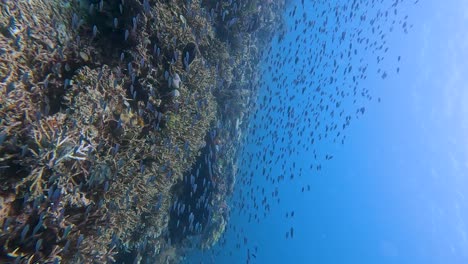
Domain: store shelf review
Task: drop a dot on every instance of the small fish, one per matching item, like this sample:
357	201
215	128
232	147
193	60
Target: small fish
56	194
39	245
146	6
80	239
117	145
91	9
134	21
66	83
10	87
95	31
120	163
24	232
6	224
130	68
67	245
3	136
127	33
142	167
66	232
75	21
38	226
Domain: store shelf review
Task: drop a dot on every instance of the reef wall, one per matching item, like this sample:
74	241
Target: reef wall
106	108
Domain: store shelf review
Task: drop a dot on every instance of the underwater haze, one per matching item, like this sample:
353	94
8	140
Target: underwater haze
395	191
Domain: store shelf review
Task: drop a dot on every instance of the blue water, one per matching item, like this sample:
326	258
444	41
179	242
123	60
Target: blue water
395	191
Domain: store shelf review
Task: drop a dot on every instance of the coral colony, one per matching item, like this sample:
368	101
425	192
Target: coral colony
119	124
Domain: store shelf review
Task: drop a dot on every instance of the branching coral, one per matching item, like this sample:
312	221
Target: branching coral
91	145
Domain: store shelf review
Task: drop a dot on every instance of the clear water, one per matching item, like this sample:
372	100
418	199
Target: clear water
395	191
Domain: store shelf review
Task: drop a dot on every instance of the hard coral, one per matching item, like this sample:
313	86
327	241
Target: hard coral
90	148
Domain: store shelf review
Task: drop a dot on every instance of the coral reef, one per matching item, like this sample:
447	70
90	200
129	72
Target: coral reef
95	144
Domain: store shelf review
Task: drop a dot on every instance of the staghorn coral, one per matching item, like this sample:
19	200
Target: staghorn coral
91	146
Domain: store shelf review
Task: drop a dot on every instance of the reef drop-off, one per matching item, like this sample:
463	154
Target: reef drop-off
120	123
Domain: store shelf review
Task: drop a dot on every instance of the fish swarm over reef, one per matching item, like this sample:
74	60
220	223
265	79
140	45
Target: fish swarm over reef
119	122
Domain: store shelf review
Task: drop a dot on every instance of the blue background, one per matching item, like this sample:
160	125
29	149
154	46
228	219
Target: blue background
395	192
